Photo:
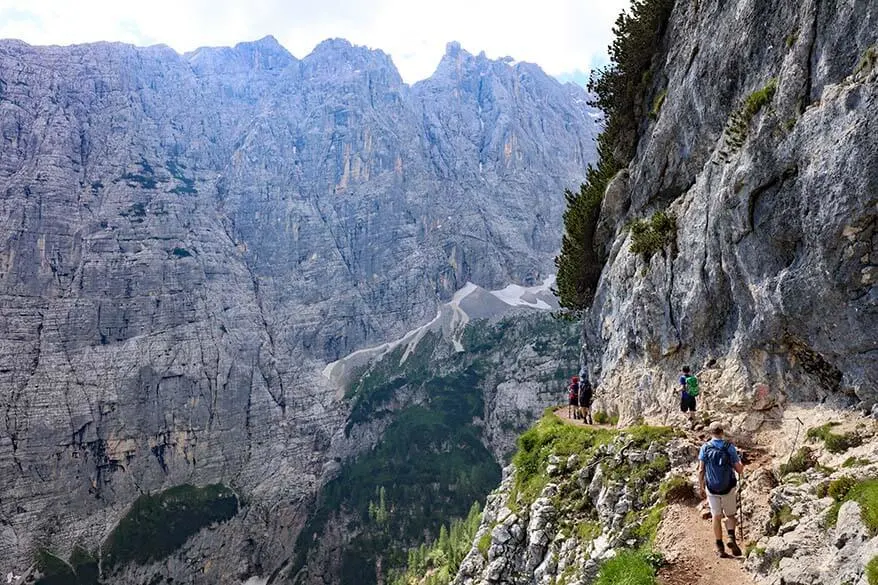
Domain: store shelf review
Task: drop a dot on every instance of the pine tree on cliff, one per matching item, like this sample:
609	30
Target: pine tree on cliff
620	90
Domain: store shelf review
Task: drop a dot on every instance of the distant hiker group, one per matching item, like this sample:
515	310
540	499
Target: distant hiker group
579	399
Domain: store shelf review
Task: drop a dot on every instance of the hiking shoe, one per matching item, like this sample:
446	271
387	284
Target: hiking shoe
721	551
733	548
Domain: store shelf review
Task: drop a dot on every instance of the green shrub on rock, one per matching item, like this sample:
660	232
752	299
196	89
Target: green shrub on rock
738	125
833	442
603	418
865	493
855	462
839	488
676	488
648	236
872	571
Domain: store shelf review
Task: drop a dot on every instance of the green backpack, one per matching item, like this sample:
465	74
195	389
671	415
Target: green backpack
692	386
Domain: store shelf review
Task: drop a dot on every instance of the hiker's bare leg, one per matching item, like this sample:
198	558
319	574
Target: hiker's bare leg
718	527
730	524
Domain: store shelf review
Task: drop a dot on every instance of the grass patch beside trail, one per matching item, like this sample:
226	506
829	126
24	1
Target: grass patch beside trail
865	493
602	418
834	443
648	528
872	571
158	524
550	436
643	435
627	568
801	461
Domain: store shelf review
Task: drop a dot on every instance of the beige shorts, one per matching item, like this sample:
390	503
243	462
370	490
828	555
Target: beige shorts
723	505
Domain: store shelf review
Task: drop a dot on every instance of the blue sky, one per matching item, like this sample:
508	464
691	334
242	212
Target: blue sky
565	37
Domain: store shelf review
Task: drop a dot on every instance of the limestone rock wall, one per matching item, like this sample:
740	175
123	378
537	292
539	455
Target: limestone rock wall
769	290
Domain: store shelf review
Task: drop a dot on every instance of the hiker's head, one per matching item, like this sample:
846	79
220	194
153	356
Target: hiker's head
716	430
686	369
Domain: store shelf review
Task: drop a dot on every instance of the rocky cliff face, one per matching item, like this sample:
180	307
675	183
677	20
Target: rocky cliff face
188	239
763	146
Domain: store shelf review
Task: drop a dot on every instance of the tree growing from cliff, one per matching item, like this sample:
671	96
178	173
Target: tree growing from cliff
621	90
578	265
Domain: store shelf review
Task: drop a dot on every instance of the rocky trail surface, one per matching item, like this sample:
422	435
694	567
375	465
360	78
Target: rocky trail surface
564	415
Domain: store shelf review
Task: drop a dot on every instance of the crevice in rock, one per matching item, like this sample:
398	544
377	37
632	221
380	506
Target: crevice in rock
691	60
773	184
669	298
816	365
809	65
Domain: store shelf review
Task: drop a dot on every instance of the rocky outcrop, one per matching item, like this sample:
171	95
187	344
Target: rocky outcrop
591	506
821	527
188	239
764	150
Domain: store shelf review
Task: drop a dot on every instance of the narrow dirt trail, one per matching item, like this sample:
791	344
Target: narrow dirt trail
687	543
563	414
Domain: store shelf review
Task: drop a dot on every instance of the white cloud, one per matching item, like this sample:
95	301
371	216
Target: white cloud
562	36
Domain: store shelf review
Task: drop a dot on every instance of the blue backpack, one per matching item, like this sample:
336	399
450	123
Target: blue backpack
719	471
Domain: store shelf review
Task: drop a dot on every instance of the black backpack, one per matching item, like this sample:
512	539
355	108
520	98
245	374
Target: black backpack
719	471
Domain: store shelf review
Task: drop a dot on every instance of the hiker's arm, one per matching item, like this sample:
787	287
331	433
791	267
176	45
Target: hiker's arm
739	467
701	489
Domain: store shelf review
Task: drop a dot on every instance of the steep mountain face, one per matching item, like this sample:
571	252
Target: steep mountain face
187	240
763	146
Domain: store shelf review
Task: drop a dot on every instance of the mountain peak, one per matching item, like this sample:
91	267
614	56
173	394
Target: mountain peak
337	56
265	53
266	42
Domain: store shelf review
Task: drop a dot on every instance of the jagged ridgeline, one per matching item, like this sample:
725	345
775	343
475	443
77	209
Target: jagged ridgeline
573	495
447	412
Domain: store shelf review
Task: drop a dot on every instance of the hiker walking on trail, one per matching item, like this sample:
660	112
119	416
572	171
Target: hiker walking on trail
585	396
688	392
573	398
718	461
